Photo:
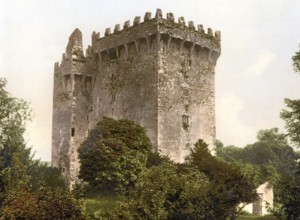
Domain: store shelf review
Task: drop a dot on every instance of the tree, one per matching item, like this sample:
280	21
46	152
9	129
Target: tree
229	153
229	187
291	116
219	144
287	187
296	61
28	189
166	191
14	156
45	203
270	150
42	173
114	154
14	113
288	194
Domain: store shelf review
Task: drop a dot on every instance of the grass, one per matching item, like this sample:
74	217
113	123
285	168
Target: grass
101	204
251	217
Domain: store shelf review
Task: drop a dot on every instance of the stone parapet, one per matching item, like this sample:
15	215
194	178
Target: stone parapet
152	31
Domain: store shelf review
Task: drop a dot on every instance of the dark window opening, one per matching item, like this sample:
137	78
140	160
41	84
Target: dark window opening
72	132
185	119
113	97
185	122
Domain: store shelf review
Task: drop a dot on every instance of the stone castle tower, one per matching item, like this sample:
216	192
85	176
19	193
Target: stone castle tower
158	73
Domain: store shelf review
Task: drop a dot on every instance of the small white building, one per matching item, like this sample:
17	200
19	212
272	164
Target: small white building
263	202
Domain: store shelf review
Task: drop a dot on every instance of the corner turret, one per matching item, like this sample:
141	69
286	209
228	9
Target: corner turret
74	48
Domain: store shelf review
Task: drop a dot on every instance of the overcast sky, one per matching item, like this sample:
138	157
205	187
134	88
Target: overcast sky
254	72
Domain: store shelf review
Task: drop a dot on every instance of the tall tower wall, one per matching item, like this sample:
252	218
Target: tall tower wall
158	73
125	84
186	93
70	101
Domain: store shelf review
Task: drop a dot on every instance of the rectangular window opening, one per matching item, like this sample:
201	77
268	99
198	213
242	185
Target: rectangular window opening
72	132
185	119
113	97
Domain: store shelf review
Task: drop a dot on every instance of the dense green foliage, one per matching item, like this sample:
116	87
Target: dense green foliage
113	155
271	153
132	182
270	159
28	188
202	188
229	186
291	116
296	61
14	156
44	203
165	192
288	196
256	217
288	191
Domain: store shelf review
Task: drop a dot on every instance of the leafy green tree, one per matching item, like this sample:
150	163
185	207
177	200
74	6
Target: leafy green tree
291	116
288	194
271	153
114	154
14	156
287	187
45	203
229	187
166	191
296	61
229	153
271	149
251	171
219	144
42	173
156	159
22	195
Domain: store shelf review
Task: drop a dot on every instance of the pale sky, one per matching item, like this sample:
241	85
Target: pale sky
253	75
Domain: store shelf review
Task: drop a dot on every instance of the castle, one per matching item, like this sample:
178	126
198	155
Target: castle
159	73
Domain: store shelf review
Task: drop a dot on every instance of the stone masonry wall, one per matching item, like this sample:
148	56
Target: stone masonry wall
127	89
158	73
186	107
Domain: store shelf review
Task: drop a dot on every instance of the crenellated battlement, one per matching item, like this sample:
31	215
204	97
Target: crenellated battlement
156	70
153	31
170	19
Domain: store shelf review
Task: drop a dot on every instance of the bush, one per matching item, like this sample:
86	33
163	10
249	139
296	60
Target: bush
113	155
46	203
